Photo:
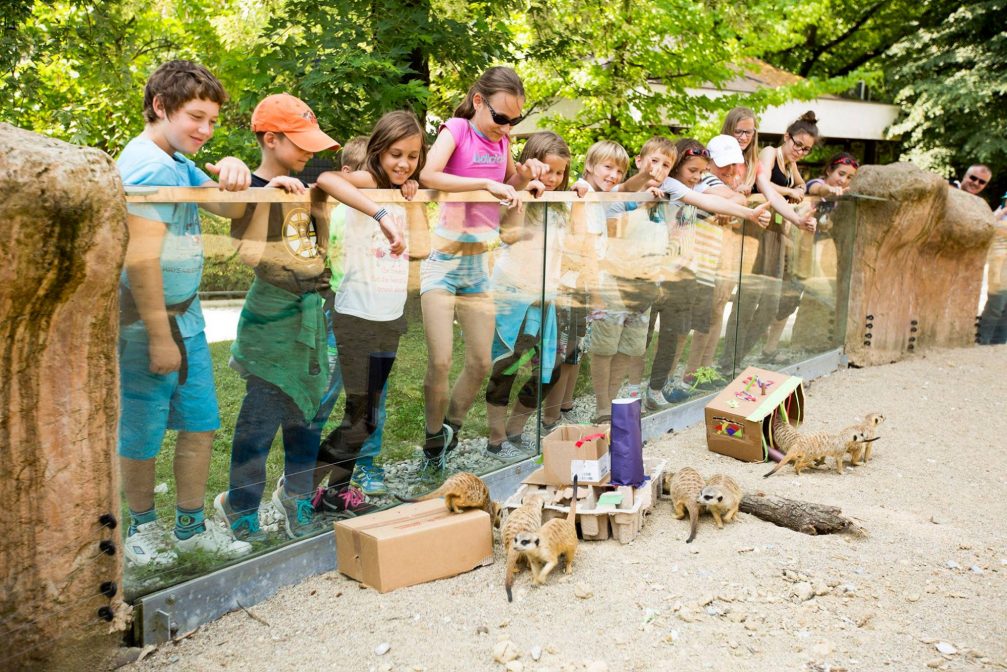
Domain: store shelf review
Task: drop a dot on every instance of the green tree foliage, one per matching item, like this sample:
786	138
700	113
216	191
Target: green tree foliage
830	38
353	60
80	67
631	65
951	82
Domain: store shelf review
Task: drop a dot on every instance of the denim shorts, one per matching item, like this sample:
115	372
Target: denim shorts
455	273
151	404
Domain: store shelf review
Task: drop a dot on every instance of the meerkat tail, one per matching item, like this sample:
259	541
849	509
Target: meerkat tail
789	457
509	573
693	521
572	516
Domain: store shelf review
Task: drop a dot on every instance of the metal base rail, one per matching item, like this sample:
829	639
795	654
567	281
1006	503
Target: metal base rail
169	613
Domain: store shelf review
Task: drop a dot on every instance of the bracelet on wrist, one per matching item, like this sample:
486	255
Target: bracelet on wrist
380	214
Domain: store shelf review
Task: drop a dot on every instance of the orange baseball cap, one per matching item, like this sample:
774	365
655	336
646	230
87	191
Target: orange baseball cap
283	113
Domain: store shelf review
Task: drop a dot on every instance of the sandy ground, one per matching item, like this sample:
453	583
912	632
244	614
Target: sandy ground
931	573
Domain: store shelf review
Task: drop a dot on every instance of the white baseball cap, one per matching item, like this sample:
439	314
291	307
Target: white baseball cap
725	150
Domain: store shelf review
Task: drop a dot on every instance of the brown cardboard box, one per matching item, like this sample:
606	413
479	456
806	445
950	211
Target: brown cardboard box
561	456
739	419
413	543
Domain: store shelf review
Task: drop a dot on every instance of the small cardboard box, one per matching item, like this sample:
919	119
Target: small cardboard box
413	543
562	458
739	419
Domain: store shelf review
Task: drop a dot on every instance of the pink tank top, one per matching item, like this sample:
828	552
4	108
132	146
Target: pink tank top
474	156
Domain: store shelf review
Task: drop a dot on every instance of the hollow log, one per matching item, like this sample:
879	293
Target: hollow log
60	258
915	266
805	517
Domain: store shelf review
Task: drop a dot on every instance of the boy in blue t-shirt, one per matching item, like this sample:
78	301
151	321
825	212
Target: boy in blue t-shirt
167	375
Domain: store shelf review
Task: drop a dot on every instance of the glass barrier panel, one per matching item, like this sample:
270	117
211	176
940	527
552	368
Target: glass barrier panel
346	374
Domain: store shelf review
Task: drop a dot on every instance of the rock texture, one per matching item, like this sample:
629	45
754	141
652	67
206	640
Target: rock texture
917	264
65	222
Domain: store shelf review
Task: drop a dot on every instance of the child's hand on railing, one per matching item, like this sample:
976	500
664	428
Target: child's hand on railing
535	188
809	223
507	194
656	192
289	184
232	174
580	187
392	228
761	215
409	189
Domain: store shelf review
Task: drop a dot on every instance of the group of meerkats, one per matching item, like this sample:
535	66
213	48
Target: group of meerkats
541	546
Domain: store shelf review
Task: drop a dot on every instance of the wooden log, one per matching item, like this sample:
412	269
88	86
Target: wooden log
805	517
914	263
60	259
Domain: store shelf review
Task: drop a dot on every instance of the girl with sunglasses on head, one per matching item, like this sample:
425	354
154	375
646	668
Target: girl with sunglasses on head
742	125
471	153
839	172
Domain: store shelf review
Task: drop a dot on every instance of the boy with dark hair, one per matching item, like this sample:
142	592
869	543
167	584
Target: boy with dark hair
280	348
166	372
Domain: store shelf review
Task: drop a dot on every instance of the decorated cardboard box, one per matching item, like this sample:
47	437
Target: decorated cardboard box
412	544
739	419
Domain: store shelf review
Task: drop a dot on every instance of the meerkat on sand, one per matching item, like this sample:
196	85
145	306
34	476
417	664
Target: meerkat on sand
686	486
816	446
721	496
557	538
463	491
526	519
860	453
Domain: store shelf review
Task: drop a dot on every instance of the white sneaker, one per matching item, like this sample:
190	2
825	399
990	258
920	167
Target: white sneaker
215	540
148	546
655	399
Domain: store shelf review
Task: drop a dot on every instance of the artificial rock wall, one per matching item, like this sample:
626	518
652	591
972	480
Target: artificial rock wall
64	239
917	264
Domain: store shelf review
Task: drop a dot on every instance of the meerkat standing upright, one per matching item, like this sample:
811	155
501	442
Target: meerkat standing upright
557	538
721	496
463	491
860	453
686	486
524	520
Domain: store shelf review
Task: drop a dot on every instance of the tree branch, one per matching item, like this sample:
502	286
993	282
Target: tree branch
819	51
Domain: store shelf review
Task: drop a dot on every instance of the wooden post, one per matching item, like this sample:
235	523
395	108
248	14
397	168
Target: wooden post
65	235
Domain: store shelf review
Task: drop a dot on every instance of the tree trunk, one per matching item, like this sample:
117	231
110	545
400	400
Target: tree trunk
805	517
60	259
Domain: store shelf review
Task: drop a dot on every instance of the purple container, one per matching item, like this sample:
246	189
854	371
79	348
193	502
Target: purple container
626	446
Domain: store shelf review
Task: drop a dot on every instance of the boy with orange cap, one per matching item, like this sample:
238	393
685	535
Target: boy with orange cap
281	344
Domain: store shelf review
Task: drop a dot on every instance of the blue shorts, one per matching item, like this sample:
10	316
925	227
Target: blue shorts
455	273
151	404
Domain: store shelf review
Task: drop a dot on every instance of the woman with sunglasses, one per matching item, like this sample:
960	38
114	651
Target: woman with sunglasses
471	153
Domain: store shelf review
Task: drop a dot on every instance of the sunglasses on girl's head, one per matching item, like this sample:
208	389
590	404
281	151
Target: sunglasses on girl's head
501	120
705	153
846	161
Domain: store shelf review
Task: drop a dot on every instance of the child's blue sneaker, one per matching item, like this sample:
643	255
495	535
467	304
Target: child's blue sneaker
370	479
242	528
296	513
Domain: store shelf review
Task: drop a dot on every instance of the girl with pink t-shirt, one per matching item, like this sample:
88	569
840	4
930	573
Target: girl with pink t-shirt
471	153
